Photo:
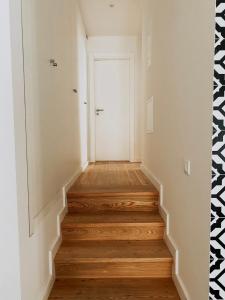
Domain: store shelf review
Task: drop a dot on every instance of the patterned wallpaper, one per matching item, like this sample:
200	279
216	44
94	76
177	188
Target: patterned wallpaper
217	238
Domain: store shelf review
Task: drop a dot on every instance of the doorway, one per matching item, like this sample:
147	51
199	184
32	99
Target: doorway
111	107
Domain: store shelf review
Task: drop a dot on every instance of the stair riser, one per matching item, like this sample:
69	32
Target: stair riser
113	204
158	269
114	232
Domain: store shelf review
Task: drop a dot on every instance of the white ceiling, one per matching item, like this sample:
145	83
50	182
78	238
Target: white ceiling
100	19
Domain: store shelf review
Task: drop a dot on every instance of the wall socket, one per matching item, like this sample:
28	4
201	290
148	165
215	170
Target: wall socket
187	167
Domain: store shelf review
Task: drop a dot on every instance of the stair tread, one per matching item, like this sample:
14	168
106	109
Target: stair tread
112	178
113	251
112	217
90	190
114	289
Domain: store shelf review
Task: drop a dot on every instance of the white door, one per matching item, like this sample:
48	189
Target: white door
112	85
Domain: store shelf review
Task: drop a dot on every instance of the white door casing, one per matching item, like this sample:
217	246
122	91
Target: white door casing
112	96
111	79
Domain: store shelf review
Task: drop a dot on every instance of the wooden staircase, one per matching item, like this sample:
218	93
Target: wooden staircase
113	246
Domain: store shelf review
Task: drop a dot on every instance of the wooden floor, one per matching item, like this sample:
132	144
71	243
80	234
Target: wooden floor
113	246
112	177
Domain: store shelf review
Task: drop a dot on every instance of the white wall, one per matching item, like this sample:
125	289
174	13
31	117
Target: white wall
9	245
180	79
61	155
52	107
123	44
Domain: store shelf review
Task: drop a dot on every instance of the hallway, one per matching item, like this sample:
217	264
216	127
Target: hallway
113	239
106	150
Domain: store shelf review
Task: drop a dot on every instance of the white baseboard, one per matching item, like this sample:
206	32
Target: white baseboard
169	240
71	181
62	193
56	244
49	288
84	166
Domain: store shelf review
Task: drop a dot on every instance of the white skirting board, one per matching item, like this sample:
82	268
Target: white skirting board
182	290
84	166
56	244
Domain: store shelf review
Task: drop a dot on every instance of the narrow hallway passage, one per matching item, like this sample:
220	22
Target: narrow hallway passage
113	244
112	177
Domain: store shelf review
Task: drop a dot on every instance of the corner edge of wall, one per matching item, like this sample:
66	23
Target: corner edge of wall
178	281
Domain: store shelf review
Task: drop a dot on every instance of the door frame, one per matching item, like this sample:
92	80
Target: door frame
92	126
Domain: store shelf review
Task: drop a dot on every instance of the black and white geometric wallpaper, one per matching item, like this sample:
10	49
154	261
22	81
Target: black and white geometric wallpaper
217	238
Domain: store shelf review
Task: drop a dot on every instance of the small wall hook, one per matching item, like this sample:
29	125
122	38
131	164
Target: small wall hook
53	62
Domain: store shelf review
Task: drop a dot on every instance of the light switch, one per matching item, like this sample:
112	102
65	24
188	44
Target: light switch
187	167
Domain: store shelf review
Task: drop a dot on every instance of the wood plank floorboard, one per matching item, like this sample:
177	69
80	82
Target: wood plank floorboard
112	217
112	178
112	251
159	268
113	203
114	289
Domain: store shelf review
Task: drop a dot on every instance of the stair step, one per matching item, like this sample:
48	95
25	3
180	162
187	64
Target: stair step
113	226
158	268
101	251
96	191
112	201
114	289
112	217
113	259
113	246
